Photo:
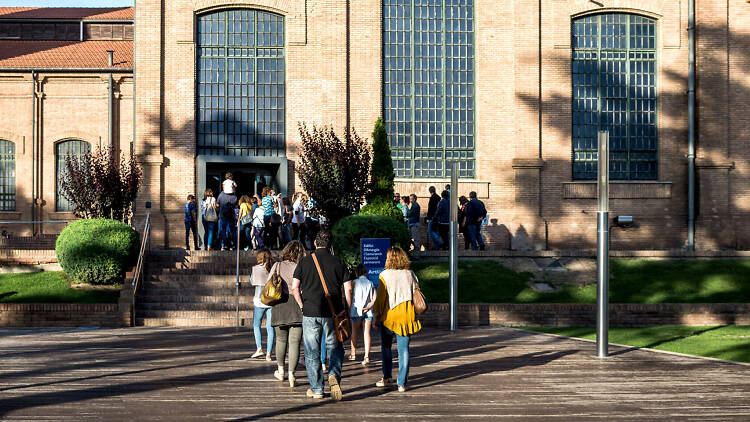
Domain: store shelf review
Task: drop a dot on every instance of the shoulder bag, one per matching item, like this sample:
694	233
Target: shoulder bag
273	291
209	212
341	322
418	299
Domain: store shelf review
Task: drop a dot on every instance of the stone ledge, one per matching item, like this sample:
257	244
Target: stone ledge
63	315
621	190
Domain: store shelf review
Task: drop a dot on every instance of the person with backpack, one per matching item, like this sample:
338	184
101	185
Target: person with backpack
475	213
259	227
209	218
246	220
227	224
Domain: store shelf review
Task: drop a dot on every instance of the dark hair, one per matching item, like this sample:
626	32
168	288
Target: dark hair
360	270
405	199
207	193
285	201
397	194
448	186
432	189
323	239
293	252
265	258
473	195
445	194
229	176
413	197
462	200
191	197
244	199
265	192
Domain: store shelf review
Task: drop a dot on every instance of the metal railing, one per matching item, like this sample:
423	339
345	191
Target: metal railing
138	273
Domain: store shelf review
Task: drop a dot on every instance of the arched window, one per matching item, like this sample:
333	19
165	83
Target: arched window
428	85
7	176
614	89
241	83
63	150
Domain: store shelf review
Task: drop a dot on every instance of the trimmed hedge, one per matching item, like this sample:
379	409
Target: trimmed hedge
97	251
384	208
348	232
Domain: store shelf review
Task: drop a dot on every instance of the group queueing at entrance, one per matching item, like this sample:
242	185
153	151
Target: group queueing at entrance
317	287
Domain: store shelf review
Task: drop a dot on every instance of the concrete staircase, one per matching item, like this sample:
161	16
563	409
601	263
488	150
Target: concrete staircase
194	289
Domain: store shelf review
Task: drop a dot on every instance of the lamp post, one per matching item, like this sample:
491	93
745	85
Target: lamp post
602	249
454	245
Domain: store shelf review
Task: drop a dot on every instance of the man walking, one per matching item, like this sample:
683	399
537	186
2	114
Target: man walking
431	223
475	213
412	218
227	221
316	312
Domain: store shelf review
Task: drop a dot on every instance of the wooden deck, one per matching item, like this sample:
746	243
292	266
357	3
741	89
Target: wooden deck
481	373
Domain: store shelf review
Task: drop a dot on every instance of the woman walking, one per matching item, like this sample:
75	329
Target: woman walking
259	278
209	213
287	315
245	220
395	310
286	220
363	297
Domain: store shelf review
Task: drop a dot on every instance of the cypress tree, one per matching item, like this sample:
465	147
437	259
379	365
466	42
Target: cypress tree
382	165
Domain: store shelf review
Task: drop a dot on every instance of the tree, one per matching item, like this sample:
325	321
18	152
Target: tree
101	184
333	171
381	187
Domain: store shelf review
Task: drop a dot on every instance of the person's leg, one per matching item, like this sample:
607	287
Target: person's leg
222	232
323	349
472	230
233	230
386	354
480	240
194	228
335	350
414	230
187	235
269	332
295	336
282	338
311	329
402	343
368	338
353	339
257	319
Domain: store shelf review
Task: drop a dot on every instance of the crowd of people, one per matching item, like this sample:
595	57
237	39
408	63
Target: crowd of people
318	286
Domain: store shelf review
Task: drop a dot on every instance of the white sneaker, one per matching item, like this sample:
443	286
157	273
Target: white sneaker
258	353
323	365
385	382
292	380
278	375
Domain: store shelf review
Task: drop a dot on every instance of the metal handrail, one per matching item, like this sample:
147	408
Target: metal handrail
138	273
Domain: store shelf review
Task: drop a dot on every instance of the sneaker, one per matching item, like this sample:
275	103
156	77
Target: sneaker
278	375
292	380
323	365
336	393
401	388
384	382
365	361
258	353
313	395
268	357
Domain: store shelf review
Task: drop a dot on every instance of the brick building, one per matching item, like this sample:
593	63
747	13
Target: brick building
513	91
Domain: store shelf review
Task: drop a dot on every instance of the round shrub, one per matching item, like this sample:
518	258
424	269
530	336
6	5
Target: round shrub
348	232
97	251
384	208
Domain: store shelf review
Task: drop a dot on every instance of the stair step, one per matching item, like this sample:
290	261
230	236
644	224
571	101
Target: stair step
178	307
165	290
172	298
245	321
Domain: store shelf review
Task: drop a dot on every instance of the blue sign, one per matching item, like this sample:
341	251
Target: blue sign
374	252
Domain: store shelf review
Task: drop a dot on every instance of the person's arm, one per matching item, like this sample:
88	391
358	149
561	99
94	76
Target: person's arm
295	292
348	292
370	301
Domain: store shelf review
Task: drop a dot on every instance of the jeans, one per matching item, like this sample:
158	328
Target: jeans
311	331
475	235
286	233
402	344
414	230
227	225
433	232
209	227
323	346
291	335
191	225
259	233
248	230
257	319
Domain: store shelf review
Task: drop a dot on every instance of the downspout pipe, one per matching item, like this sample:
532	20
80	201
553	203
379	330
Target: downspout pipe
691	126
33	151
110	100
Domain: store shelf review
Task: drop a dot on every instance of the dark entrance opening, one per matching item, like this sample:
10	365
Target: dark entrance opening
250	178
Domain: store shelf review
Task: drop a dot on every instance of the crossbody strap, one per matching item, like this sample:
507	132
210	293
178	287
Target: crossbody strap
323	282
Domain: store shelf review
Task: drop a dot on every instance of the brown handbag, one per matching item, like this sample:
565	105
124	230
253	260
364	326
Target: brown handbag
341	323
418	299
273	291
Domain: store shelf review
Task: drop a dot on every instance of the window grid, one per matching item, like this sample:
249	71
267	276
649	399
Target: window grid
614	89
428	88
241	91
7	176
73	149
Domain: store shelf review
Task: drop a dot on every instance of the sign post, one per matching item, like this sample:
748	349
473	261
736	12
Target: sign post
454	245
374	252
602	248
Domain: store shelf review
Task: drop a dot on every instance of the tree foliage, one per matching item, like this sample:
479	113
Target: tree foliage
101	184
334	171
381	187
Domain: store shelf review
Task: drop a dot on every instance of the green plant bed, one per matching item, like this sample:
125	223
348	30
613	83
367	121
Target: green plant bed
50	287
633	281
348	232
731	342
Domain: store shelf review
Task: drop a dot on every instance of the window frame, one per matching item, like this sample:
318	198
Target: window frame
62	204
7	154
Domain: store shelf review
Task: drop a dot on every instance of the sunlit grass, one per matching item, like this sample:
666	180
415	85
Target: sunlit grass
49	287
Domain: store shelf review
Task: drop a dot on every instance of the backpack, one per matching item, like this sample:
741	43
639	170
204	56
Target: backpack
227	210
209	212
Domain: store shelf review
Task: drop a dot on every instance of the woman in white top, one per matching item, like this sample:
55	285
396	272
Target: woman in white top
363	297
258	279
258	226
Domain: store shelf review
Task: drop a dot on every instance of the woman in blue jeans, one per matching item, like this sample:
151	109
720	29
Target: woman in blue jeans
394	309
259	278
209	218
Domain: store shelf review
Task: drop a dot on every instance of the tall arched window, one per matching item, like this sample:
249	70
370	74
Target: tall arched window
63	150
7	176
241	83
428	85
614	89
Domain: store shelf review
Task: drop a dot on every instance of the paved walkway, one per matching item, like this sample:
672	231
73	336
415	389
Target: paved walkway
481	373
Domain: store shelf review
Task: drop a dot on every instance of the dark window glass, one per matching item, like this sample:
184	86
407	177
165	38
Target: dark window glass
7	176
63	150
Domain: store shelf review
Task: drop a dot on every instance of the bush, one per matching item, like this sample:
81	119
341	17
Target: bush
348	231
97	251
384	208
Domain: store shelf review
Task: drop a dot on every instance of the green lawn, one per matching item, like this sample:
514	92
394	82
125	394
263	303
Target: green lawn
633	281
49	287
730	342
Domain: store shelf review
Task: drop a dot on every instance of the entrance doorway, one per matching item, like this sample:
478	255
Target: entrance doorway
250	178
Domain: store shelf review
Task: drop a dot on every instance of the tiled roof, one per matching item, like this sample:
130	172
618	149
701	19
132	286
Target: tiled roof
113	13
64	54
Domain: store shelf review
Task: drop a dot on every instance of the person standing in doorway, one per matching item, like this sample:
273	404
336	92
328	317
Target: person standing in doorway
475	213
227	223
209	218
432	230
191	222
309	293
412	219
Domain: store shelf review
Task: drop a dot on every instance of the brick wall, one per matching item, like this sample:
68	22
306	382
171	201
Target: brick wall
62	315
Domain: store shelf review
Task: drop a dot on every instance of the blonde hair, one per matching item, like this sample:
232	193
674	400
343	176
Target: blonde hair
265	258
293	252
397	259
